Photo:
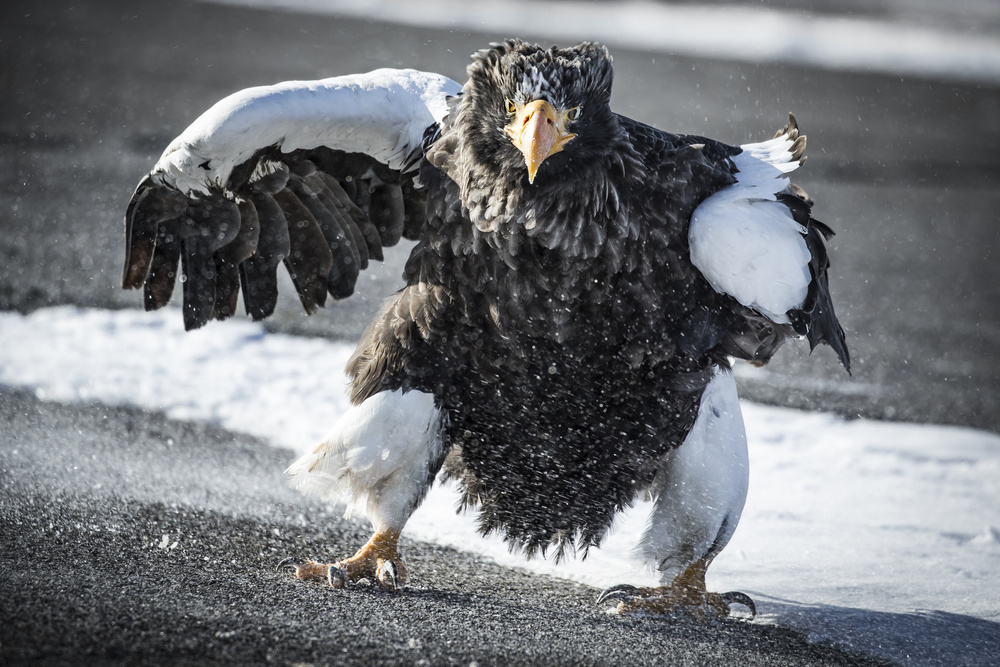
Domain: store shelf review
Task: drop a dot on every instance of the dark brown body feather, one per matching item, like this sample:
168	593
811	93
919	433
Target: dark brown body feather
568	369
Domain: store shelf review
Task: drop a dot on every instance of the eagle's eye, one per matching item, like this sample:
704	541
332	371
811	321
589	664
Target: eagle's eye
511	108
575	112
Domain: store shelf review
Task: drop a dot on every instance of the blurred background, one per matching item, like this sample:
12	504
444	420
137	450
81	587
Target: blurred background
900	100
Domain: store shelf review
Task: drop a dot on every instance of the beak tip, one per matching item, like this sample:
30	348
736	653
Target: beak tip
538	133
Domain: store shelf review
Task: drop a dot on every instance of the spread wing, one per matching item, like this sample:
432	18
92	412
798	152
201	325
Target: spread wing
757	242
316	175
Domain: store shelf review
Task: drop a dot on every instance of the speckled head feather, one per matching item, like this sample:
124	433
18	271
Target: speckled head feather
565	77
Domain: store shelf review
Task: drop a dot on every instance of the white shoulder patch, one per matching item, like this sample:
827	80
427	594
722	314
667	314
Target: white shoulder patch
382	113
377	458
746	243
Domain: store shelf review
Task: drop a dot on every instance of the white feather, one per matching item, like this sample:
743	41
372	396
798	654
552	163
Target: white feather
774	152
701	486
382	113
746	243
377	457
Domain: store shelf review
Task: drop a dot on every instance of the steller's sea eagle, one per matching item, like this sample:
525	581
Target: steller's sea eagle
562	344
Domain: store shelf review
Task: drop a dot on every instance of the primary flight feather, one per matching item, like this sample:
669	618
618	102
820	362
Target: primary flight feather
579	283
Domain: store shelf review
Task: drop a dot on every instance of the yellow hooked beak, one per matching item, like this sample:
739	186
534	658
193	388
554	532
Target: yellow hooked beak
538	130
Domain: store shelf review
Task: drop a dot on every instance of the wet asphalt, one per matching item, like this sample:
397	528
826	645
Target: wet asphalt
131	539
93	499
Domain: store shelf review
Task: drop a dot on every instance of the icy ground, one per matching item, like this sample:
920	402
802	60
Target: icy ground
881	537
901	37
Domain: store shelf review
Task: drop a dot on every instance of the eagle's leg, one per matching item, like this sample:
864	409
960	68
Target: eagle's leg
378	561
382	456
698	492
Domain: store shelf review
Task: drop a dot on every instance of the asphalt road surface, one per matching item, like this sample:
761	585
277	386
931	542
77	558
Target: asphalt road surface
131	539
125	537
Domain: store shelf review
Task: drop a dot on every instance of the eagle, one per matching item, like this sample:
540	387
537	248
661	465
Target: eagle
579	285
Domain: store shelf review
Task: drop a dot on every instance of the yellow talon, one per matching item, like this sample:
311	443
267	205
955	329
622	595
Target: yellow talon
687	595
378	560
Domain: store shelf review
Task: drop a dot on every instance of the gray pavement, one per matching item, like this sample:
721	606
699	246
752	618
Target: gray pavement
126	538
906	171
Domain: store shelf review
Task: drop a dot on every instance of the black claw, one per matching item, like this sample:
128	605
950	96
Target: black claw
294	561
386	575
337	577
620	592
735	597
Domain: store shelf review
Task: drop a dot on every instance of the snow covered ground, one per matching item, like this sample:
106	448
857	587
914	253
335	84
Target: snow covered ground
881	537
956	40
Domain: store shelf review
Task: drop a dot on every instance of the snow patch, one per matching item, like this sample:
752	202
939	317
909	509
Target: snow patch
734	32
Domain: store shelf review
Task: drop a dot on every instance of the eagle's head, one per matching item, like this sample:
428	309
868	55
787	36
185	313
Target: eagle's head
536	151
534	113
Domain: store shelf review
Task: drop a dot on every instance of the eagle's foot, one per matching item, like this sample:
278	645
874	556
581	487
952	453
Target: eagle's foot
305	569
377	561
670	601
686	596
